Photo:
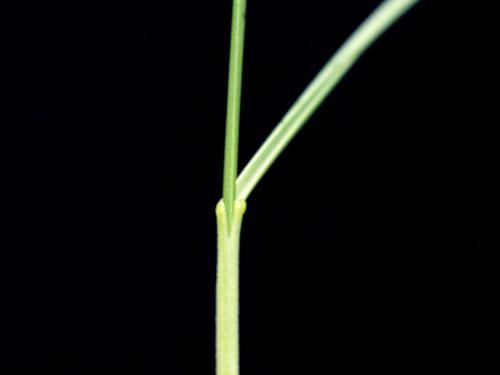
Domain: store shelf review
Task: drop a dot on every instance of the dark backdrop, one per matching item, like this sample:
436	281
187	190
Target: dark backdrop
371	246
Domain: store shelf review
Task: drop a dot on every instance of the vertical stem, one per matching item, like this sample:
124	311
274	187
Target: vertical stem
230	212
233	105
227	289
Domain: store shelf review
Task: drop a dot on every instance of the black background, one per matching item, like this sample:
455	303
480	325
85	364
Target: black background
371	246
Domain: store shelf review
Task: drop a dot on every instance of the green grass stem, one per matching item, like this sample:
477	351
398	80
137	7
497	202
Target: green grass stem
227	289
335	69
233	105
229	213
230	209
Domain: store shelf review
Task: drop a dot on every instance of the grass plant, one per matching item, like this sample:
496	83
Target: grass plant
236	189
